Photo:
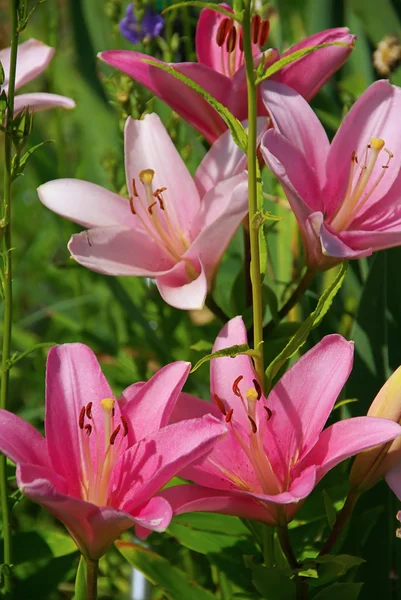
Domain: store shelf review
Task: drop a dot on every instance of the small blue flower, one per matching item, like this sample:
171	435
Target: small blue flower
152	24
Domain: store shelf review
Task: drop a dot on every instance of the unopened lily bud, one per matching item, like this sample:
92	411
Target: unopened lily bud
371	465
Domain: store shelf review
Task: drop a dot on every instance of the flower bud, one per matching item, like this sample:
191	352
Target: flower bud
371	465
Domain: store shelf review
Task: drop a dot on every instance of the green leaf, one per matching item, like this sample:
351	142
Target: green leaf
345	591
19	163
331	512
231	351
297	341
331	567
290	58
201	346
216	7
160	572
273	583
80	581
238	133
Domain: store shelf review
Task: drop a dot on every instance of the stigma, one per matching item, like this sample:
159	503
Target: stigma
361	185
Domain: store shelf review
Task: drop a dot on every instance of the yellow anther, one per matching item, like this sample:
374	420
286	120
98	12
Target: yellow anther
251	394
146	176
107	404
377	144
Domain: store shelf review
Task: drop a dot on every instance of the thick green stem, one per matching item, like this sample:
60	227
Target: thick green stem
292	300
341	520
268	546
285	543
92	569
7	287
252	195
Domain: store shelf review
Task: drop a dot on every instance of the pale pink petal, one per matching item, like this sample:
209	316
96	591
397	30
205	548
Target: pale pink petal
119	251
393	478
194	498
182	99
334	244
85	203
308	74
178	290
224	160
303	399
294	119
21	442
150	408
155	515
346	438
207	51
73	379
93	528
148	146
32	59
222	211
374	115
153	461
41	101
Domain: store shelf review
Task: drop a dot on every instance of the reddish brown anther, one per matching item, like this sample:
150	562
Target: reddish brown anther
220	404
81	420
150	207
134	188
88	428
253	424
113	411
231	40
229	415
269	412
222	31
241	40
89	410
131	205
125	425
257	388
114	435
255	28
263	33
235	386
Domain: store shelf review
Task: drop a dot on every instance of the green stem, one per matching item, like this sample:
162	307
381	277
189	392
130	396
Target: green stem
285	543
7	289
342	518
268	546
247	262
292	300
252	195
92	569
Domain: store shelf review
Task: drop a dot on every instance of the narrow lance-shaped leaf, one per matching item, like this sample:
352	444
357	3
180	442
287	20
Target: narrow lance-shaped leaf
216	7
231	351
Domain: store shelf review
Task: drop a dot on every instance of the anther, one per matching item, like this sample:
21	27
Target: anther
231	40
114	435
220	404
263	33
89	410
257	388
235	386
146	176
150	207
222	31
81	420
253	424
125	425
134	188
88	429
255	28
229	415
131	205
241	40
269	412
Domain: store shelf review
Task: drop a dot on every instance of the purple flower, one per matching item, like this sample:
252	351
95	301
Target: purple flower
151	25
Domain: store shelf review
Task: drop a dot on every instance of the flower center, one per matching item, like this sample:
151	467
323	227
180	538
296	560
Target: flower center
98	463
158	218
360	185
230	39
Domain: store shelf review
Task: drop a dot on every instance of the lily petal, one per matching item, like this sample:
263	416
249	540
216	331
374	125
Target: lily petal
40	101
178	290
21	442
32	59
155	515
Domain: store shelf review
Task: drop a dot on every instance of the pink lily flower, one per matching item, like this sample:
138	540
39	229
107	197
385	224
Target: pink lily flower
220	69
100	467
174	229
275	451
32	59
346	195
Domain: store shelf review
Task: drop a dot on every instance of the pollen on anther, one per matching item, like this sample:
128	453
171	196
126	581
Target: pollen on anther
257	388
220	404
114	435
88	429
89	410
125	425
222	31
81	420
255	28
235	386
134	188
150	207
253	424
131	205
231	40
229	415
263	33
269	412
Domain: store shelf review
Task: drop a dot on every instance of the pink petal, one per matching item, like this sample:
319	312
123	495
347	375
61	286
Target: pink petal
307	75
155	515
148	146
119	250
32	59
374	115
194	498
85	203
93	528
207	51
366	241
334	244
130	392
294	119
154	460
21	442
346	438
150	408
73	379
178	290
221	213
181	98
299	412
191	407
40	101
